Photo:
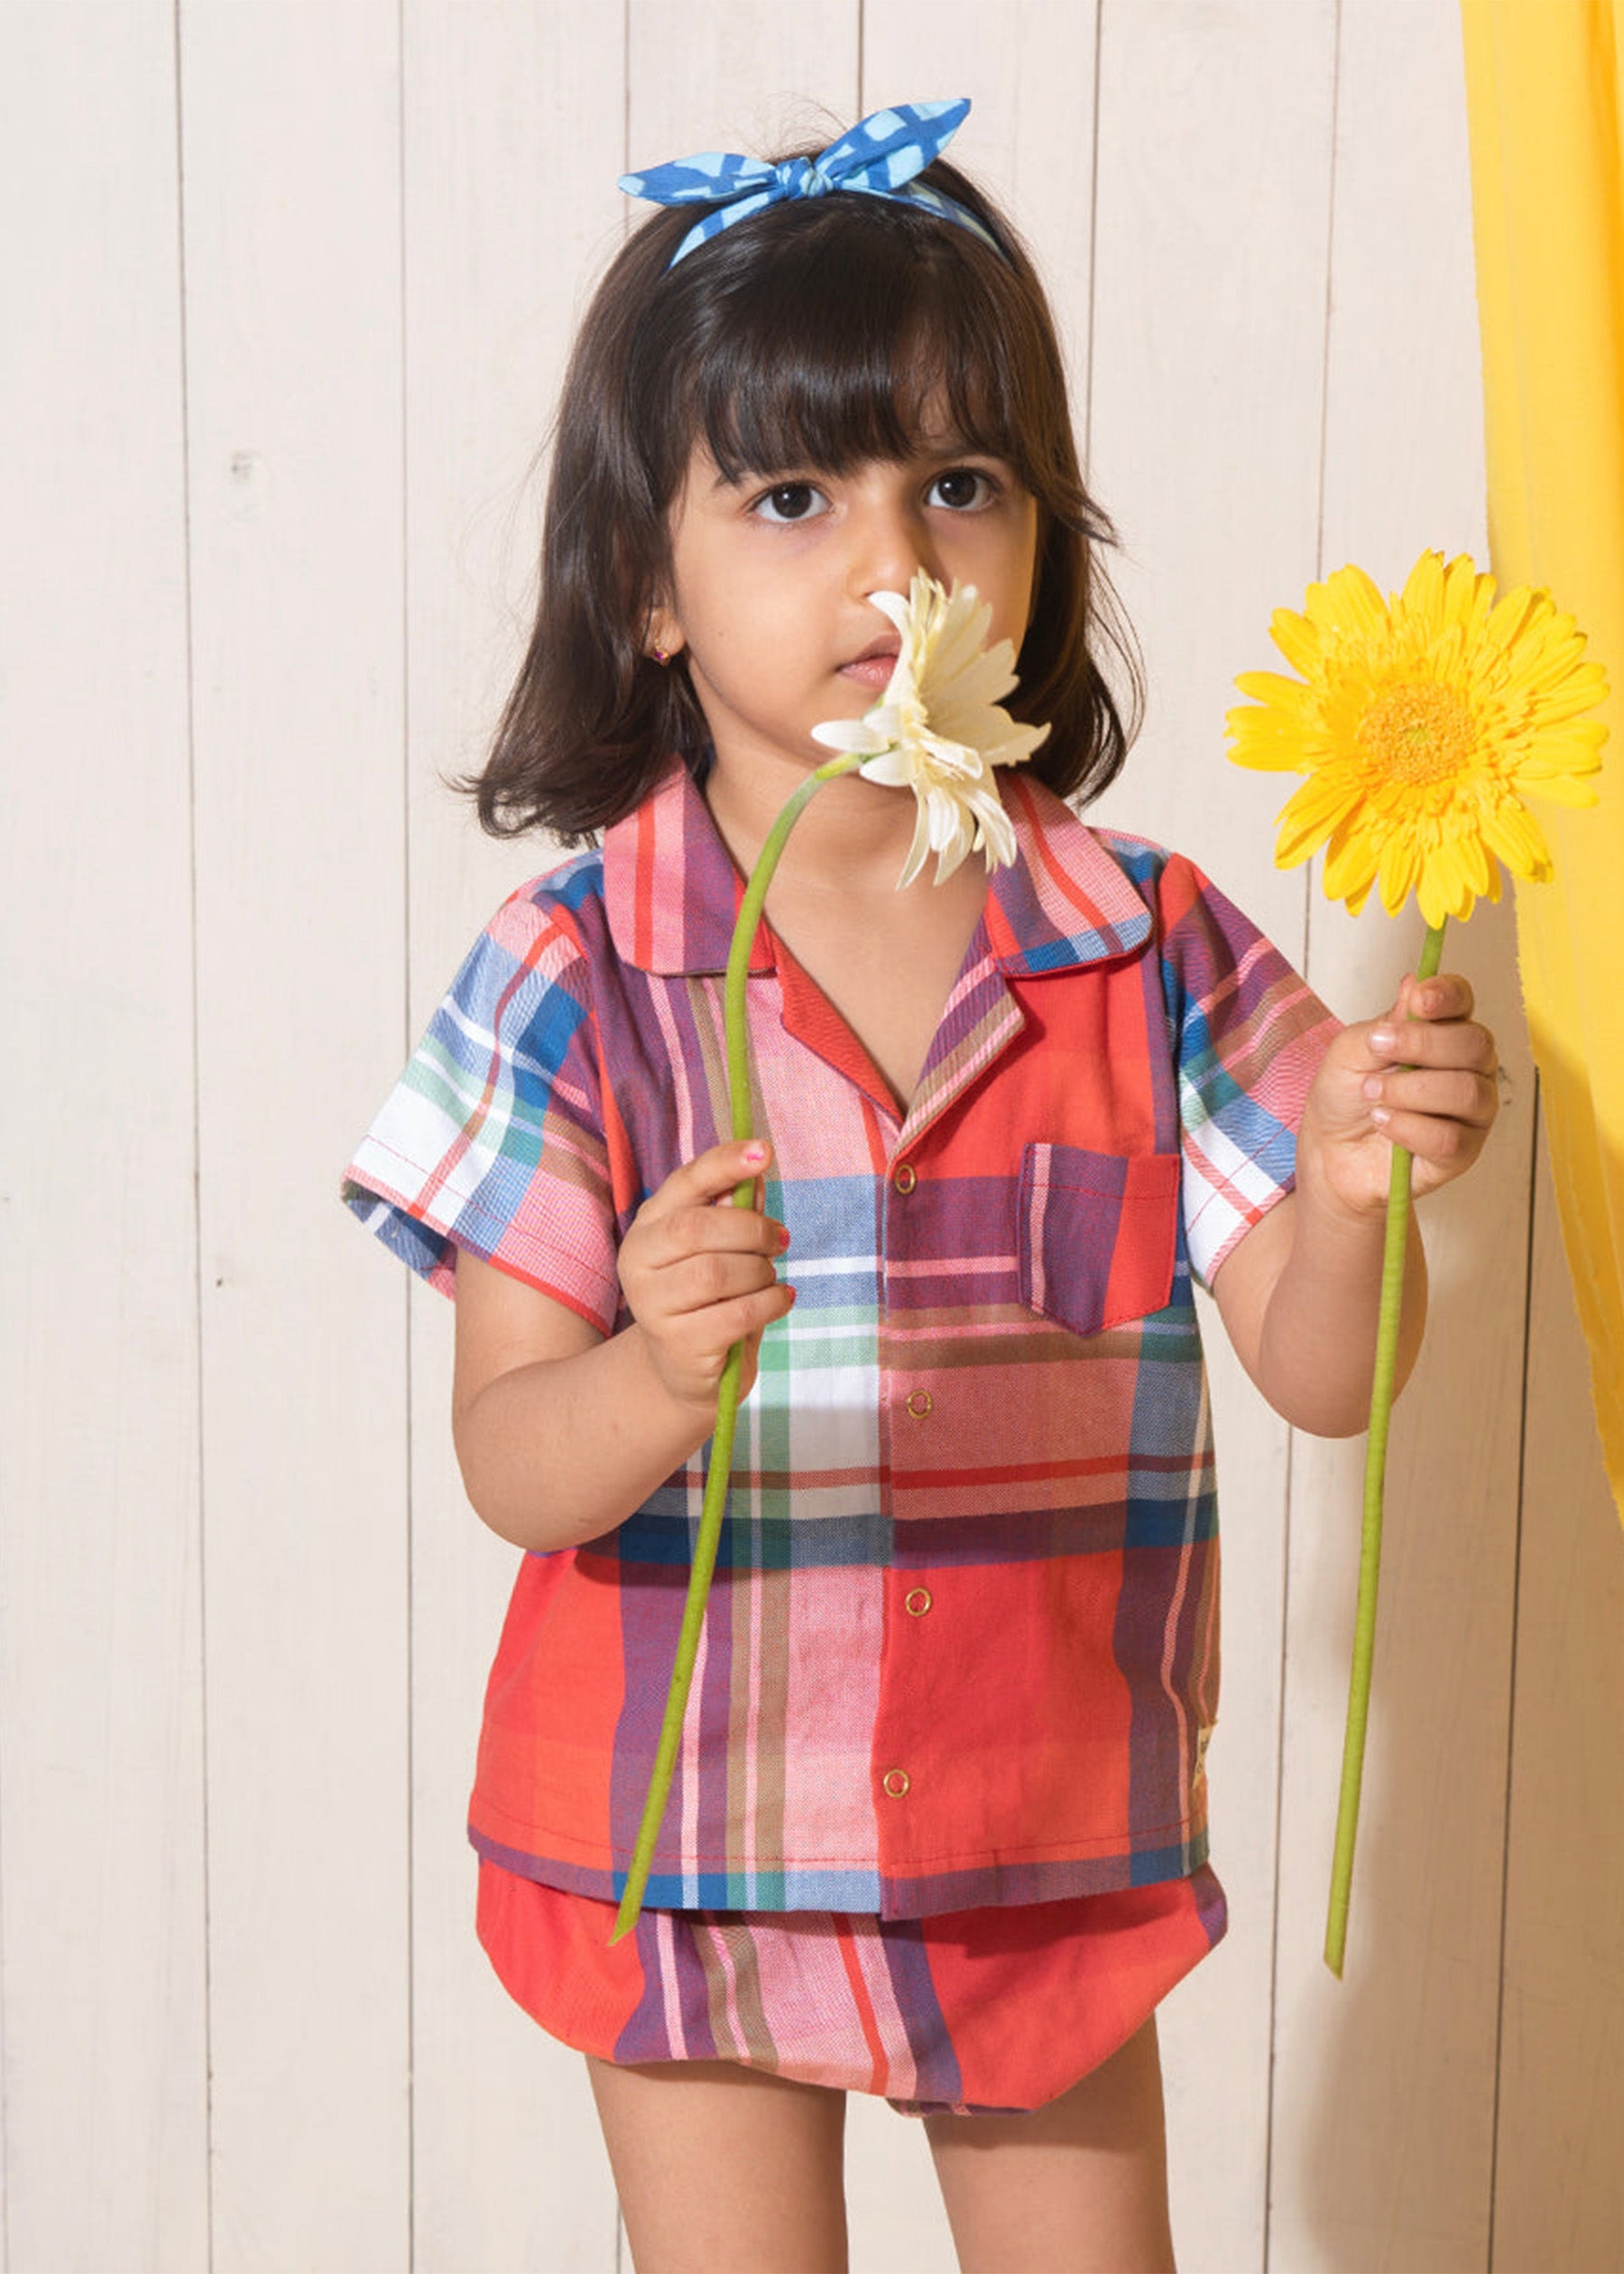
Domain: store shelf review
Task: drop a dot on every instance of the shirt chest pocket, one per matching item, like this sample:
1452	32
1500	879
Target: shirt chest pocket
1098	1235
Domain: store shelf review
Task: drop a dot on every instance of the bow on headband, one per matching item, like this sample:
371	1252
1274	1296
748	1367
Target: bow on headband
880	156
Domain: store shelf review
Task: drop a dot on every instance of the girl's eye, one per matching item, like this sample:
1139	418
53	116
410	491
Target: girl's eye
791	502
961	489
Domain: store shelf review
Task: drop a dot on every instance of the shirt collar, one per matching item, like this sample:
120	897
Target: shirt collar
672	892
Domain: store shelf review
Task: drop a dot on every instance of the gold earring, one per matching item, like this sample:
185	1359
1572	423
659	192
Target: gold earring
661	656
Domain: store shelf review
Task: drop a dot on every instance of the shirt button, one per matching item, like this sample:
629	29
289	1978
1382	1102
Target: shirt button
903	1177
919	1403
895	1781
917	1601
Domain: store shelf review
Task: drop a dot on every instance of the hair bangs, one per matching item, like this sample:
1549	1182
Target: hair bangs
851	349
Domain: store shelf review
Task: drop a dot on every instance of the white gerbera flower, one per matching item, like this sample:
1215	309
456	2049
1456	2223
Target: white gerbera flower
939	729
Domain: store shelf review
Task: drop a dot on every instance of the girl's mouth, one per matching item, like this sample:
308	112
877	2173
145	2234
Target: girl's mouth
874	666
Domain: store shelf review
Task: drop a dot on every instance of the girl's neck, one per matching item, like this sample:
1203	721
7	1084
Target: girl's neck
851	840
887	960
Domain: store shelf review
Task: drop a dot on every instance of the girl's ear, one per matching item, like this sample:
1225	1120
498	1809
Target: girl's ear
663	637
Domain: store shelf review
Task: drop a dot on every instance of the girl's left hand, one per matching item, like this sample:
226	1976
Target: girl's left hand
1425	1077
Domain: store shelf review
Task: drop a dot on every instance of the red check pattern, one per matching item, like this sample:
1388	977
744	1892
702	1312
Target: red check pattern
962	1648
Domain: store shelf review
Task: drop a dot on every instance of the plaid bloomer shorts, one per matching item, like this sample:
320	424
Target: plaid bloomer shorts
976	2012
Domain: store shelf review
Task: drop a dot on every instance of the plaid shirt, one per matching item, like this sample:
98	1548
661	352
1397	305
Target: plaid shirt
962	1643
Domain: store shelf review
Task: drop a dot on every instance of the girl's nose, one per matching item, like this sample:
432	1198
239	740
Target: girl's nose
890	542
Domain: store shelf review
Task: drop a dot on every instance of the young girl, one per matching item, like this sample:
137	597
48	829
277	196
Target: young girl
938	1827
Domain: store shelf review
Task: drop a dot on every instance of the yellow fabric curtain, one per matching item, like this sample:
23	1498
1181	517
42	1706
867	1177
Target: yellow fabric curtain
1545	81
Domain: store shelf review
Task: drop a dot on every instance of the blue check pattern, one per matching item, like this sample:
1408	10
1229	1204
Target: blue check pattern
880	157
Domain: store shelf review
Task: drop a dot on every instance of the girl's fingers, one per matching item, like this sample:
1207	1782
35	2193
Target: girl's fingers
1424	1042
710	1176
1447	1144
1424	1075
1447	997
691	1214
671	1240
739	1320
699	1275
694	1345
1465	1096
700	1283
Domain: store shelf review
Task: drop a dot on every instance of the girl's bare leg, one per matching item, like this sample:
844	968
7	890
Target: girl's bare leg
725	2170
1077	2187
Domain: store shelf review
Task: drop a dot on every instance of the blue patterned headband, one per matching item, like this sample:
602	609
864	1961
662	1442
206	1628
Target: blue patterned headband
880	156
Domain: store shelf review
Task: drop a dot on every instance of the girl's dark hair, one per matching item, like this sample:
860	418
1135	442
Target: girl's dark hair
820	334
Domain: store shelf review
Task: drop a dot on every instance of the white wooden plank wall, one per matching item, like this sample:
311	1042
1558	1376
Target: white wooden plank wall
102	1890
287	291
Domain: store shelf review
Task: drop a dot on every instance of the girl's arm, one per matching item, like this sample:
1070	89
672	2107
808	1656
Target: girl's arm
1299	1297
560	1433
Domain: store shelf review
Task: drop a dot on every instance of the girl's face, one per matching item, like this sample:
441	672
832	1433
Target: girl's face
771	578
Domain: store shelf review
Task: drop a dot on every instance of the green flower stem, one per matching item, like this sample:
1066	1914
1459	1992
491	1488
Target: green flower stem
1369	1553
720	1471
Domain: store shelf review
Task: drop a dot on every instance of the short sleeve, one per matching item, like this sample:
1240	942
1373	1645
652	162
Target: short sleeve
1250	1034
492	1140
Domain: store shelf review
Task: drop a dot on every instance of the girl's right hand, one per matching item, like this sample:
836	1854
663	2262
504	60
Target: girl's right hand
698	1275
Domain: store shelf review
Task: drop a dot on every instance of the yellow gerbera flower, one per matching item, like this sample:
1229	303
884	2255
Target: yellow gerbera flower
1421	722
